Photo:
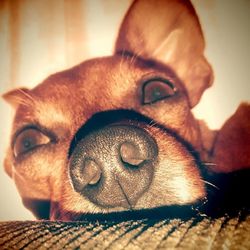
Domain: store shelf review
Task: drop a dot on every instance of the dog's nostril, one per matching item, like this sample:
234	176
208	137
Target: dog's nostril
92	172
130	154
85	173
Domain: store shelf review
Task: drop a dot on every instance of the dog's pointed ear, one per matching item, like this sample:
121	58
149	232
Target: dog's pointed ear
231	150
168	31
17	96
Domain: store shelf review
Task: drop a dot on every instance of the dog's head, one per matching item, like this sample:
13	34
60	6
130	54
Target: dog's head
116	133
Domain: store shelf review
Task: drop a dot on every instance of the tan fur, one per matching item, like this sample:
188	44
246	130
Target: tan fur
65	101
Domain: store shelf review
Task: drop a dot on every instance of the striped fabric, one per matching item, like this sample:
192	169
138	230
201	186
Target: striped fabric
193	233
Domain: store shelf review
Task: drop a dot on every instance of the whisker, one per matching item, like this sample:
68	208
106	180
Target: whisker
20	101
152	123
209	164
122	60
211	184
17	173
27	95
134	57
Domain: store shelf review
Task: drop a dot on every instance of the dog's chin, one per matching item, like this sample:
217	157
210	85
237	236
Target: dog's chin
121	214
47	210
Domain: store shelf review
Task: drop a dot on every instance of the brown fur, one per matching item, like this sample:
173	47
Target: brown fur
65	101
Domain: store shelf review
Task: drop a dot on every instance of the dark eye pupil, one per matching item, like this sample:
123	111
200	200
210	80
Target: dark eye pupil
156	92
27	144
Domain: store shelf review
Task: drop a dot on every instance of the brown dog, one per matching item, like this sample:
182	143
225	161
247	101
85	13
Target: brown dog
116	133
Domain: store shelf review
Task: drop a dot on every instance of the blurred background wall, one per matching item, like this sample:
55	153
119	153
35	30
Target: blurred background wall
40	37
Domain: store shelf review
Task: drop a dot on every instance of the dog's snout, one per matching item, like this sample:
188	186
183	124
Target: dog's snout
114	166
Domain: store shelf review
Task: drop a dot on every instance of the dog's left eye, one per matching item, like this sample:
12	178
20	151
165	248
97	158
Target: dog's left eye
29	139
157	89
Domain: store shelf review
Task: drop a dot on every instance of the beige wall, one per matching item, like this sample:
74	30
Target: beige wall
39	37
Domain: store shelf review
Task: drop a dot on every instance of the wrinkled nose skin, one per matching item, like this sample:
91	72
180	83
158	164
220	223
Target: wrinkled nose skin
114	166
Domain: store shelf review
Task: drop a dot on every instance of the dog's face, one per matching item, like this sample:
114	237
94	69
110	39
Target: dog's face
115	133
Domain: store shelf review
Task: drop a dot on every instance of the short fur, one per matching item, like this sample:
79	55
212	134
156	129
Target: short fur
166	46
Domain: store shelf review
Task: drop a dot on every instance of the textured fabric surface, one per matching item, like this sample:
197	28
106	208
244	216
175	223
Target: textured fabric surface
194	233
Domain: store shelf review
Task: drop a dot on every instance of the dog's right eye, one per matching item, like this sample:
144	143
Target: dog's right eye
157	89
28	140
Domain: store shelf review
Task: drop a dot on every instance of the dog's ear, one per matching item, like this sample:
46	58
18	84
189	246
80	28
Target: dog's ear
231	149
17	96
168	31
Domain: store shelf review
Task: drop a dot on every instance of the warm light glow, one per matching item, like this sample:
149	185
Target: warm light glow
50	39
182	188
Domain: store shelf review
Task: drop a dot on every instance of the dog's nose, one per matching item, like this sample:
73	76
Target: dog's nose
114	166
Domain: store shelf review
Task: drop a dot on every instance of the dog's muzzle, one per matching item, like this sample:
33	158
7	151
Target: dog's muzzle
114	165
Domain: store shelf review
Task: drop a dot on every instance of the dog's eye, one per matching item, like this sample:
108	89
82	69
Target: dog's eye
157	89
29	139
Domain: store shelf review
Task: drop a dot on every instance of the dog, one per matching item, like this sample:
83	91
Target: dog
117	134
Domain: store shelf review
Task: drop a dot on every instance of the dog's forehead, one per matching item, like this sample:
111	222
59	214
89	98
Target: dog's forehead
73	96
97	80
100	75
91	85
